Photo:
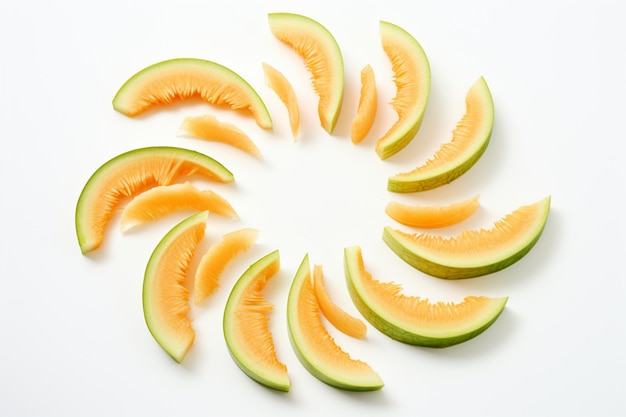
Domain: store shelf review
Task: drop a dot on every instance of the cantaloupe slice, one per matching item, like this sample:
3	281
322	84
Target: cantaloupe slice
207	127
322	57
454	158
164	200
284	90
182	78
165	297
411	69
246	326
131	173
316	349
217	257
429	217
368	105
473	252
339	318
411	319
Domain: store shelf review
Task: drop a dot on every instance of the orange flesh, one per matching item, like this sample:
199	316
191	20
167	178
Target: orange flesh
217	258
284	90
368	103
432	216
210	129
342	321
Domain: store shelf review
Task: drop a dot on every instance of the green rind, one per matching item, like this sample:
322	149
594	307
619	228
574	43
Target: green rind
123	100
176	350
392	326
308	357
452	268
92	195
237	352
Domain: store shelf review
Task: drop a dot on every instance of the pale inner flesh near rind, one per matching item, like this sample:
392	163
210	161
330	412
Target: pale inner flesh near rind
411	319
469	140
322	58
131	173
181	78
246	326
315	347
477	251
165	296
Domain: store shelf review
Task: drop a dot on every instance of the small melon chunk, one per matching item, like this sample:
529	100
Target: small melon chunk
368	104
285	92
429	217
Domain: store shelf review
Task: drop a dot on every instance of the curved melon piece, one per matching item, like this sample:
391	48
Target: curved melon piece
217	257
183	78
338	317
165	297
429	217
368	104
411	319
322	57
131	173
246	326
315	348
285	92
411	69
164	200
474	252
454	158
208	128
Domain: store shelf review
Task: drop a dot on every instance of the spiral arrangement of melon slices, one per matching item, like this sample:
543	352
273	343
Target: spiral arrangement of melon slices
413	86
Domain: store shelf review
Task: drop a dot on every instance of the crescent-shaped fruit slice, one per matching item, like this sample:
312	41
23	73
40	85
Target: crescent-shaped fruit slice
182	78
411	319
429	217
131	173
368	104
454	158
246	326
315	347
411	69
165	297
285	92
473	252
163	200
322	58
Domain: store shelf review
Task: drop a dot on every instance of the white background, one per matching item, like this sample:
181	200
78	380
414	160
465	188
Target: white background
73	338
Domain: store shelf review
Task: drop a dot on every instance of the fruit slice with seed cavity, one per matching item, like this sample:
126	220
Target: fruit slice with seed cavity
432	216
322	57
473	252
411	69
368	104
316	349
217	257
454	158
285	92
246	326
336	316
411	319
178	79
164	200
165	296
207	127
131	173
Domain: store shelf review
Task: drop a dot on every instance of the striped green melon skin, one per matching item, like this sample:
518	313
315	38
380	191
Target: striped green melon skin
401	318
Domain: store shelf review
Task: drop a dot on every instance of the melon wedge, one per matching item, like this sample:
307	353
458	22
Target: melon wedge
368	104
246	326
454	158
322	58
411	319
208	128
182	78
285	92
165	297
429	217
411	69
131	173
473	252
315	348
